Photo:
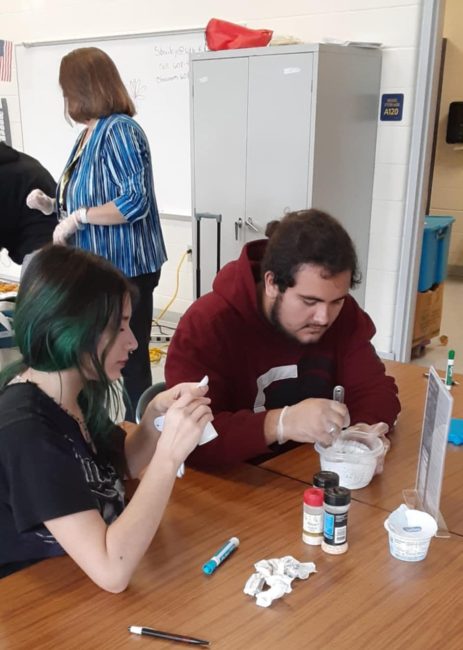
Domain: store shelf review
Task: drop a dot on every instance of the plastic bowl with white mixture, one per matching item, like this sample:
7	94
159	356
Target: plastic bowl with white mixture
353	456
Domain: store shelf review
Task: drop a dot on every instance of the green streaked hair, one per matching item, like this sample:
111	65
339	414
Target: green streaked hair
67	298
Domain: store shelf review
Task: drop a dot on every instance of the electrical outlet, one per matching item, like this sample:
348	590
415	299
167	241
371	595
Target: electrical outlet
160	338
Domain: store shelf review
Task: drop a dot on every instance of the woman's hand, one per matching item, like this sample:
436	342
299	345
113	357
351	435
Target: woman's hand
38	200
63	230
184	424
163	401
69	226
141	444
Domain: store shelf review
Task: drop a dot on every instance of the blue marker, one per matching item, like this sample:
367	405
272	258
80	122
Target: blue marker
221	555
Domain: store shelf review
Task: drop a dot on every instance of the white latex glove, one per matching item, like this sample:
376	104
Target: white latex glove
66	229
379	429
313	420
38	200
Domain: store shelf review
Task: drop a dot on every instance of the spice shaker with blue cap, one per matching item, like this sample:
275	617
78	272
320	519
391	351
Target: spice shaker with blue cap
336	503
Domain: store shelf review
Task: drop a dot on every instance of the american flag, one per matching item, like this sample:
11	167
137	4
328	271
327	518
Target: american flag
6	55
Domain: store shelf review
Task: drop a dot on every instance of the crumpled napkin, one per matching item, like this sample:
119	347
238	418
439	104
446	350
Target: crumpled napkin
278	574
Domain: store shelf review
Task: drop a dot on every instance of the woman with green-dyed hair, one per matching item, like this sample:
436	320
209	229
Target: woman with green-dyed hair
62	460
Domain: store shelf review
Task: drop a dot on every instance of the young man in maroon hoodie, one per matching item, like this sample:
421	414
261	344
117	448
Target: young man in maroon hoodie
277	333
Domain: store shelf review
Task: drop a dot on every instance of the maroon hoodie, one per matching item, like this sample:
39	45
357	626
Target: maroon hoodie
252	367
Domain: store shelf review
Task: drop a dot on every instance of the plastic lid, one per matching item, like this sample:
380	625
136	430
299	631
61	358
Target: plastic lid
451	354
432	222
337	496
352	445
325	479
313	497
209	567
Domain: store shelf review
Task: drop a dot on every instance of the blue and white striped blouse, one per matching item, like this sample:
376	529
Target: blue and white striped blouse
115	165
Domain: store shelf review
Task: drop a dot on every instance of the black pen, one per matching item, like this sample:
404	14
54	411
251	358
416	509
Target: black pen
148	631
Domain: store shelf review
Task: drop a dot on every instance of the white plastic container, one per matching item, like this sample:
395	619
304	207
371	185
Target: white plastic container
353	456
410	533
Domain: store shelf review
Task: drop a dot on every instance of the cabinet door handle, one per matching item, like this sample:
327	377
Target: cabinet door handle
251	225
238	226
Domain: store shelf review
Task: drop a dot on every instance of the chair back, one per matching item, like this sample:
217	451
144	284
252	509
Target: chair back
6	324
146	397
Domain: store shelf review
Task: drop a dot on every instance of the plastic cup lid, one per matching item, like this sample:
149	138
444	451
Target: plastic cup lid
411	524
358	446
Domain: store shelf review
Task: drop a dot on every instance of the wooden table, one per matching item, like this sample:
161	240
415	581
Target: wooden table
401	462
363	599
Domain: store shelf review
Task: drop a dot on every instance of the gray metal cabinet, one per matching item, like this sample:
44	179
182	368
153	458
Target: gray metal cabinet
275	130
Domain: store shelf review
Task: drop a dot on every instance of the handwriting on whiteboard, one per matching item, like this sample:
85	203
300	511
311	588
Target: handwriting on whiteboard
171	63
137	89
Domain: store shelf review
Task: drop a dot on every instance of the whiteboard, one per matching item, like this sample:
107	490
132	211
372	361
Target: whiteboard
154	68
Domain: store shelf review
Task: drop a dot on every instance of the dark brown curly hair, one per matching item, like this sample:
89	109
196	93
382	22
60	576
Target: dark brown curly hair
308	237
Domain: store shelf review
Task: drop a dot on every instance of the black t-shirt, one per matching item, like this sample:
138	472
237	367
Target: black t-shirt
47	470
23	230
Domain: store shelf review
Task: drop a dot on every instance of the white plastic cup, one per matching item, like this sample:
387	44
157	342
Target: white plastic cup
355	468
410	533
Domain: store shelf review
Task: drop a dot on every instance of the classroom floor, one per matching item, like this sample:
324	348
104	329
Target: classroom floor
451	326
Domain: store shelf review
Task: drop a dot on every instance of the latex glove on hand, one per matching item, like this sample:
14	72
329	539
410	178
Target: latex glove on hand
67	227
380	429
38	200
314	420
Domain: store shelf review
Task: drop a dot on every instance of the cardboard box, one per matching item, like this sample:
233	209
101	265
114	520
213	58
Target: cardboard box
428	314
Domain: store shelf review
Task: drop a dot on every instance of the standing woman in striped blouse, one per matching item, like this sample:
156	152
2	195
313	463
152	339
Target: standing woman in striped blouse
105	197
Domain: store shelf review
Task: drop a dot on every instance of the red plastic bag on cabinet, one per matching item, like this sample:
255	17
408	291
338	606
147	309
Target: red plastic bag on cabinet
222	35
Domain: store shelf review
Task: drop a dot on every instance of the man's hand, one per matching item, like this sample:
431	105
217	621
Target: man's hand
38	200
314	420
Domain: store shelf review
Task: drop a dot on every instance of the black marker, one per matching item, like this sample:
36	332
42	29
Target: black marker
148	631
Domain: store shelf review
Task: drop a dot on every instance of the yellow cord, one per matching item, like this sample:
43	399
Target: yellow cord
179	266
156	354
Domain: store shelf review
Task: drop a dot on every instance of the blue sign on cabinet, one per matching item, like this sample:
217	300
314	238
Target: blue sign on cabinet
391	107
